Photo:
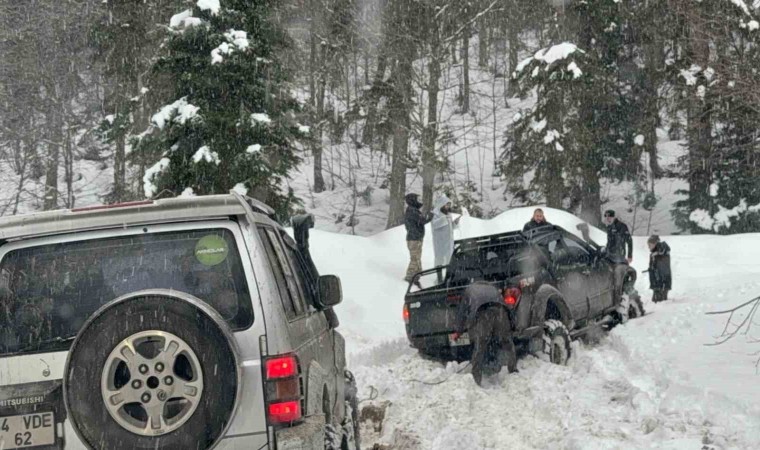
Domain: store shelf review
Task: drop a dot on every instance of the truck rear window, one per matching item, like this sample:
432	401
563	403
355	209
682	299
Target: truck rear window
48	292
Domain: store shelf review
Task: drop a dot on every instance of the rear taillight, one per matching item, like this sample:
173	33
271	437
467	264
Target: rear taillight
512	297
284	412
405	313
281	367
283	389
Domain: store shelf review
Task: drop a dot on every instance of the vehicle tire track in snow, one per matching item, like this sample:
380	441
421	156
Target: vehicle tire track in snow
611	395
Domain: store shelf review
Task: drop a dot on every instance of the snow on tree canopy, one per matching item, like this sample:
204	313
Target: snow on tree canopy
209	5
236	40
639	140
255	148
722	218
148	186
260	118
205	154
184	19
181	111
753	25
187	193
550	55
240	189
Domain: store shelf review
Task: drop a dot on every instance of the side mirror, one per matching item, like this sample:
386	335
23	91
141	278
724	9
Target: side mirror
330	291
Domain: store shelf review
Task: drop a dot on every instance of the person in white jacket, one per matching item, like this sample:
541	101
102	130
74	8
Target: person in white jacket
443	231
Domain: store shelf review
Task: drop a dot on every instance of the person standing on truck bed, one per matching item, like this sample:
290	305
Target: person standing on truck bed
414	221
660	278
483	314
538	220
443	231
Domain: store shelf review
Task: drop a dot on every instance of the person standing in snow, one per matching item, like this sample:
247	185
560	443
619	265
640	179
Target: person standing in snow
443	231
483	314
618	239
414	221
538	220
660	279
619	249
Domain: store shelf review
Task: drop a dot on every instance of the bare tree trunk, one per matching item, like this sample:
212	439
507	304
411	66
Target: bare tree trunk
514	46
51	170
430	134
466	70
400	107
368	134
483	41
699	128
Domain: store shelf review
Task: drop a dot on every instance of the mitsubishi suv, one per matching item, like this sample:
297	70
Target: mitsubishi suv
188	323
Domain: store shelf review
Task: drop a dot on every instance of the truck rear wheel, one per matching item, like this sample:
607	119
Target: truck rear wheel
635	306
166	369
556	342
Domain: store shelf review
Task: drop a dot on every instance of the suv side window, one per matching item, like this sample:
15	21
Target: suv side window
301	275
577	252
291	297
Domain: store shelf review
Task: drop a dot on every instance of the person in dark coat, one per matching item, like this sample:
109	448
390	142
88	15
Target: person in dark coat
660	278
414	221
538	220
483	314
619	241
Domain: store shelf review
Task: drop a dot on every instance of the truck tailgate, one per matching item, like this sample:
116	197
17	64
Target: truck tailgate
433	313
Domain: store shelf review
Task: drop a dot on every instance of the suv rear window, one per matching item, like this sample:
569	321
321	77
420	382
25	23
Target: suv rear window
48	292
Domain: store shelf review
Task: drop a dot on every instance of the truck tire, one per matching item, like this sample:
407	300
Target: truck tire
635	306
155	369
346	437
556	342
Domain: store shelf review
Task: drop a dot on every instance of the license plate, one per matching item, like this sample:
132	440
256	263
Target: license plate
464	339
29	430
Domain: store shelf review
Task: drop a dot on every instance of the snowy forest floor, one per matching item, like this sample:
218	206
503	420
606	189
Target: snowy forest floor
652	383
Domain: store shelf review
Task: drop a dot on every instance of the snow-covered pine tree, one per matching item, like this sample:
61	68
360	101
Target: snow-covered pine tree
721	89
232	124
580	129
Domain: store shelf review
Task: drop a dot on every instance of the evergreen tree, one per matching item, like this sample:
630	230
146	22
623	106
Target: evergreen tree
232	125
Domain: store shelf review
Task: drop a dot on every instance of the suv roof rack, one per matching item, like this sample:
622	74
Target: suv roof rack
98	217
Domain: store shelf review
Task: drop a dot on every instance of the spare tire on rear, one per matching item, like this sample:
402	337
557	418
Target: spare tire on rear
154	369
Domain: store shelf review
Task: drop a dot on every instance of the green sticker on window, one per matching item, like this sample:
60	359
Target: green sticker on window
211	250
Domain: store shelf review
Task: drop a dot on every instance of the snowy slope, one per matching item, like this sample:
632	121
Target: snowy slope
649	384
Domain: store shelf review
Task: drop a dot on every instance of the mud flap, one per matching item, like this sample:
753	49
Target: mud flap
307	435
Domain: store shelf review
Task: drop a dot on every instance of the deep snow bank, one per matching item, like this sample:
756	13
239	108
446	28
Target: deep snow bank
650	384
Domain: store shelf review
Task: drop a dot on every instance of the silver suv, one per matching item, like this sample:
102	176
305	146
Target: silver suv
187	323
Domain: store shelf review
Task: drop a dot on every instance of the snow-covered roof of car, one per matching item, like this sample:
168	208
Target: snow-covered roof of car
127	214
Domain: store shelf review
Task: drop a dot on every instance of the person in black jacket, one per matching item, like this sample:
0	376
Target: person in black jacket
414	221
619	241
538	220
660	278
483	314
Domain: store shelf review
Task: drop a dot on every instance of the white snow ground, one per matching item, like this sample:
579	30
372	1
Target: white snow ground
651	383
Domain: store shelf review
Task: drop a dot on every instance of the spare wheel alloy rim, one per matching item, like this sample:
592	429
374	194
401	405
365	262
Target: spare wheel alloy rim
152	383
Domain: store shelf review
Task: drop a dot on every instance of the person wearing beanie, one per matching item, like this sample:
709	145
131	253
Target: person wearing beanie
660	276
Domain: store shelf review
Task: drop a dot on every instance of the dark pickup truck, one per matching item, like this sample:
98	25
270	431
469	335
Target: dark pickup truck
556	287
